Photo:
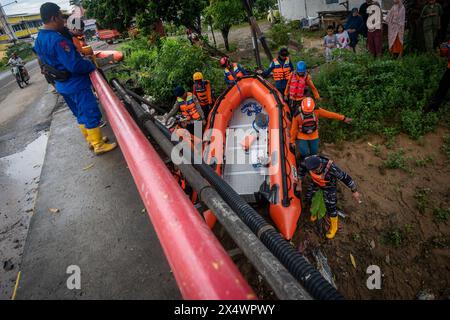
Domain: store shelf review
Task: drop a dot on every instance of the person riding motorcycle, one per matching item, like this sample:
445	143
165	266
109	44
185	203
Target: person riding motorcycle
16	61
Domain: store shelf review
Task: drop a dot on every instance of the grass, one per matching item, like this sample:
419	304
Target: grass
422	197
377	150
394	237
440	214
446	146
395	160
424	162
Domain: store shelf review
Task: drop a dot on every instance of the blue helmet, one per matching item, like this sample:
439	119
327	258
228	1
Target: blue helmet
301	66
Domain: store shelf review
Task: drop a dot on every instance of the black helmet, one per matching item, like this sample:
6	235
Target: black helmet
284	52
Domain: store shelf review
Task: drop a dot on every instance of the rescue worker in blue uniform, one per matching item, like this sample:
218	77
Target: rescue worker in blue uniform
324	175
281	69
62	62
232	71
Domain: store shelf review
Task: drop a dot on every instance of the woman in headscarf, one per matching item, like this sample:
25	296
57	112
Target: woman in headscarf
396	28
354	27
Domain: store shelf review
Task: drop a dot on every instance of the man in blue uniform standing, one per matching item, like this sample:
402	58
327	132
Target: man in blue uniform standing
62	62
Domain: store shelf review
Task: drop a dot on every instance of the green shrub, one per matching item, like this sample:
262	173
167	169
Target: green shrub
380	93
395	160
394	237
279	33
23	50
160	68
440	214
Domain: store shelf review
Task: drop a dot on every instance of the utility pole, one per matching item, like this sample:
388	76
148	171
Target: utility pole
5	24
257	34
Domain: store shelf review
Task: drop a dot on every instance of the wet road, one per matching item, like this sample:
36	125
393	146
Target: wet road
25	116
8	81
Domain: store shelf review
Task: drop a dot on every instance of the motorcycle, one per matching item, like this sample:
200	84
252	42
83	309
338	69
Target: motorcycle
22	76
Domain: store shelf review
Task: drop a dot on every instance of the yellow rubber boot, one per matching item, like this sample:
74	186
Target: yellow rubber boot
96	139
333	228
85	135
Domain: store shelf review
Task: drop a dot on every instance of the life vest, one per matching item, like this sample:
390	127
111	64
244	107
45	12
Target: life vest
297	87
319	179
281	71
235	74
188	108
309	123
203	92
79	43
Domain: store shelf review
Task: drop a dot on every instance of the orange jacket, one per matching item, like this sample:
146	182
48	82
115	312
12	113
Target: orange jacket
309	83
296	133
79	44
203	93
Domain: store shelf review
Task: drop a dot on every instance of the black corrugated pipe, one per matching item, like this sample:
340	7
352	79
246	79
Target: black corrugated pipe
141	99
277	276
295	262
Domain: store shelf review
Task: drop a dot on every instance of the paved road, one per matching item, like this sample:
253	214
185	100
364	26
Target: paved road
100	227
8	81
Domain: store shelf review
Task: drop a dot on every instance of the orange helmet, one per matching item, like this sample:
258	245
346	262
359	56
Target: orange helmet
224	61
308	105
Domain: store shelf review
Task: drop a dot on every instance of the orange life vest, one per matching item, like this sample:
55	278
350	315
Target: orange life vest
281	71
297	87
309	122
203	92
319	179
235	74
188	108
79	43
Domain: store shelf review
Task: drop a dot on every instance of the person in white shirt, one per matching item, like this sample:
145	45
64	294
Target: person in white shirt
342	37
16	61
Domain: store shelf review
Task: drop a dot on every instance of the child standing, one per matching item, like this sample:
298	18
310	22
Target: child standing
343	39
329	43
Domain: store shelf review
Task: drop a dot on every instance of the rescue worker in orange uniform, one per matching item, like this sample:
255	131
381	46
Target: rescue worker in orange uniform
76	29
324	175
190	108
202	90
232	71
281	69
298	84
305	127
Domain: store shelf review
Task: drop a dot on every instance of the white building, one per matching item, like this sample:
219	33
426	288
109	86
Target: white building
299	9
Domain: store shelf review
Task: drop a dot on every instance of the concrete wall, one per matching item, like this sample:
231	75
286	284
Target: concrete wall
299	9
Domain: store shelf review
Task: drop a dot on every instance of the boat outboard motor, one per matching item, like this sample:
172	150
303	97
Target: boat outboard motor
261	122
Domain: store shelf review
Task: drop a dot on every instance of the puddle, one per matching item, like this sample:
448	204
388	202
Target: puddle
19	180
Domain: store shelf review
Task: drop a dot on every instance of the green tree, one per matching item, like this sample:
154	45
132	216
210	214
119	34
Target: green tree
224	14
118	14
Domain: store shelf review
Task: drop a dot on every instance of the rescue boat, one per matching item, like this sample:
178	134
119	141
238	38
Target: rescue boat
117	55
247	142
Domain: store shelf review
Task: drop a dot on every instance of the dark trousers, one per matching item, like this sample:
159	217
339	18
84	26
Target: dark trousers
329	197
440	94
375	42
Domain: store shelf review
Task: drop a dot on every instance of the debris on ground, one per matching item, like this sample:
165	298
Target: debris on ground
425	295
323	266
8	265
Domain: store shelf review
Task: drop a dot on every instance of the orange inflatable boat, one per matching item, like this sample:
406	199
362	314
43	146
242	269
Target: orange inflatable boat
117	55
247	141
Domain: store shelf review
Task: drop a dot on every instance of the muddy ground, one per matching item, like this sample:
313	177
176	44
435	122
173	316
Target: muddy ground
402	226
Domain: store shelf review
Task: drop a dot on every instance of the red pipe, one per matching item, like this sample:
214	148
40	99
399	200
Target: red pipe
201	266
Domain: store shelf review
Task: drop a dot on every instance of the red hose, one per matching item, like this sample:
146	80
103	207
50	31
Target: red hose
201	266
